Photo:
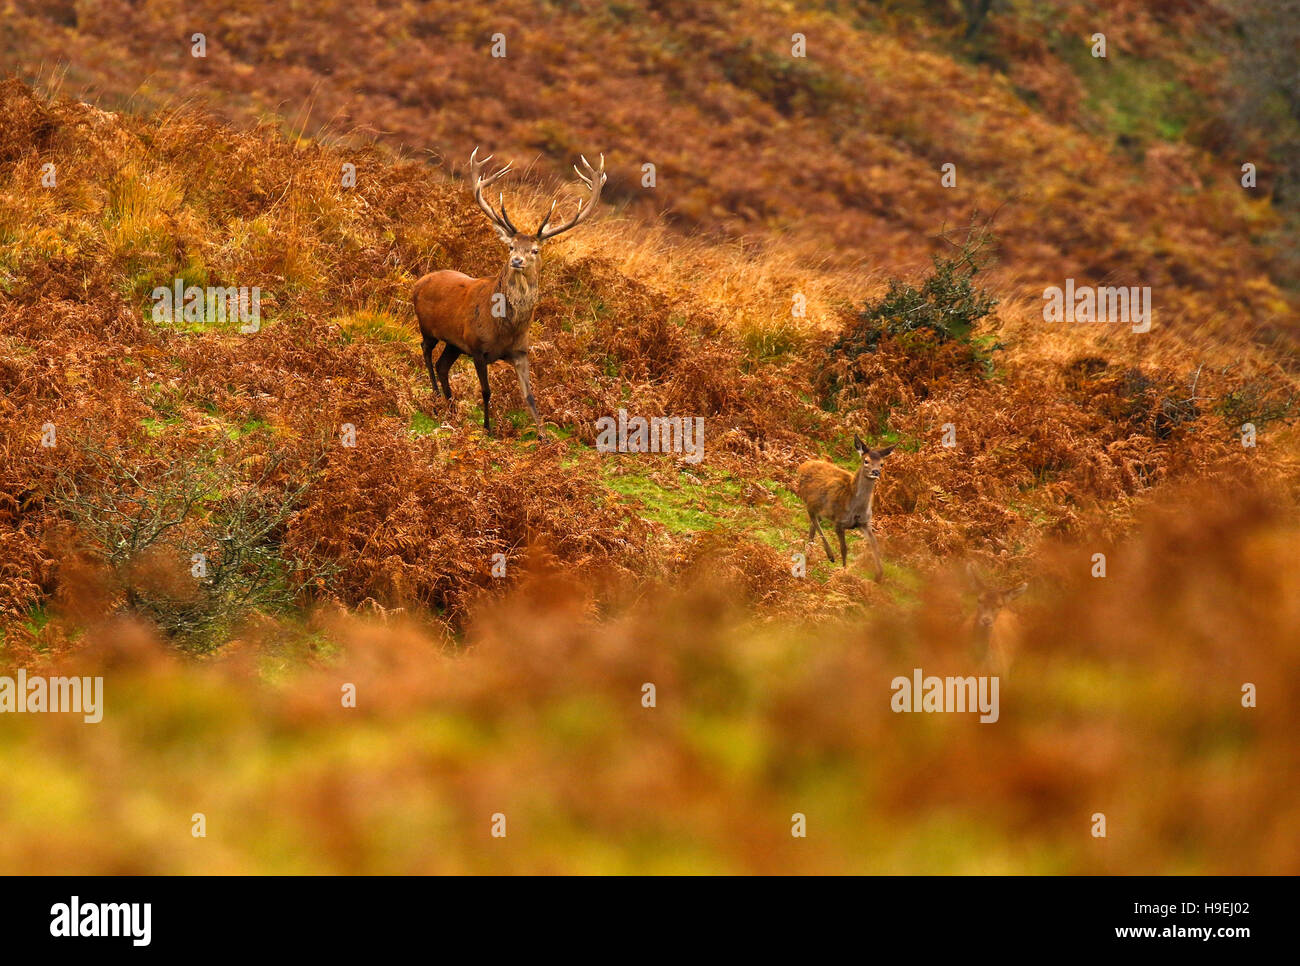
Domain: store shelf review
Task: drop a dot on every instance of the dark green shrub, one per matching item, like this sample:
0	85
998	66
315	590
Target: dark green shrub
947	303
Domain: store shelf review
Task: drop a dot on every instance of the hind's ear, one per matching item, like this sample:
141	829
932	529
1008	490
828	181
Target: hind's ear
858	445
882	453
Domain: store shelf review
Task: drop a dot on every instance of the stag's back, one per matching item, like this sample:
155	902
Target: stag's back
451	306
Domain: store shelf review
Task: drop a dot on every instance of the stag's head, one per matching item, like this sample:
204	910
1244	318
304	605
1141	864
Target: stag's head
526	247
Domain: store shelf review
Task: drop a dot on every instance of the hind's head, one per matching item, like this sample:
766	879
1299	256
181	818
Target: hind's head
871	458
990	600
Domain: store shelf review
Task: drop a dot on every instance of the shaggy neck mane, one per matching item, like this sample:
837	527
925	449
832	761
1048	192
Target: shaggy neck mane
520	290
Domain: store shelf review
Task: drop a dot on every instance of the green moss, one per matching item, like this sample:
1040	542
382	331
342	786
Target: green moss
156	427
247	428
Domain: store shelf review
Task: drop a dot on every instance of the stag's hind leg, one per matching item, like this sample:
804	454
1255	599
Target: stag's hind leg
428	344
449	355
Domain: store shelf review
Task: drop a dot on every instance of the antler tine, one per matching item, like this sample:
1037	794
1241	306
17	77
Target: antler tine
546	220
594	181
505	217
592	173
492	178
476	166
476	169
479	183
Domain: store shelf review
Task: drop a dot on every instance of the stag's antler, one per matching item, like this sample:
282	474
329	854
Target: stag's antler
500	219
594	179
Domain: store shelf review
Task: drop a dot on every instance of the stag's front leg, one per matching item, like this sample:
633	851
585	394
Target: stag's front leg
481	367
526	388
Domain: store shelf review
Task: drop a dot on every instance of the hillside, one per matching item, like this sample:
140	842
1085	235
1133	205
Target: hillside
374	563
1120	169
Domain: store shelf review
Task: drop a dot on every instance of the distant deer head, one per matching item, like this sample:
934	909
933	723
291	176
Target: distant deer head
990	601
488	318
871	458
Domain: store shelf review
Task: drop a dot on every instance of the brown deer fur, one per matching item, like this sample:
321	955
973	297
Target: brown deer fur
842	499
488	319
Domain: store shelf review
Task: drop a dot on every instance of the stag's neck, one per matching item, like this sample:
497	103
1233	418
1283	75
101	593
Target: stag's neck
520	289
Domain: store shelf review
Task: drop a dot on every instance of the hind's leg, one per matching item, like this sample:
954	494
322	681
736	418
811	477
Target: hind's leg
844	549
875	552
818	527
428	345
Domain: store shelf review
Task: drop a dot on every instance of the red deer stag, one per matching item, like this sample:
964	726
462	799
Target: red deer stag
487	319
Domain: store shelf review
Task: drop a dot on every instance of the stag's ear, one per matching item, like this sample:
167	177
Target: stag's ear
858	445
504	235
1016	591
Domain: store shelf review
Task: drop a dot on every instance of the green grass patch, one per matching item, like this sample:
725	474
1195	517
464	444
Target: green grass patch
772	341
422	424
689	501
156	427
35	619
247	428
